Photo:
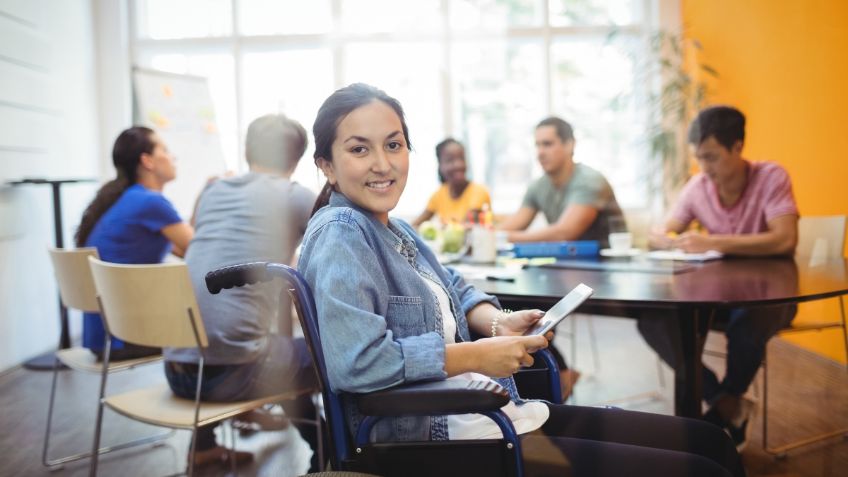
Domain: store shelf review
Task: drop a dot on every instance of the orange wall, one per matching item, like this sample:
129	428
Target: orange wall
784	63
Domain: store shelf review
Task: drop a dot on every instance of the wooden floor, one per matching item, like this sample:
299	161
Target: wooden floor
807	394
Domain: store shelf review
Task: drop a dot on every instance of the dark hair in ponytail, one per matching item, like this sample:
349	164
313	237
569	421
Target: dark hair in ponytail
331	113
323	197
126	155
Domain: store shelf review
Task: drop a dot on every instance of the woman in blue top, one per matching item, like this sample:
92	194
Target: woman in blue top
130	221
390	314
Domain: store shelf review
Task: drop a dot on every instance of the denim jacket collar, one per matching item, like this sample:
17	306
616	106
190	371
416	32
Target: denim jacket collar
414	319
393	234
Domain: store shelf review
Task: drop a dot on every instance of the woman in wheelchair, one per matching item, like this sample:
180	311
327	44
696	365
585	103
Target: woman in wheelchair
389	313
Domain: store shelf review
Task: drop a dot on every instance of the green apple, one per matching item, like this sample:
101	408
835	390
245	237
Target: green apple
454	238
428	230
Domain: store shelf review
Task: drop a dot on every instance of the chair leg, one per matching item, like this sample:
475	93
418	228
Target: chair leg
844	328
232	449
573	363
593	344
573	343
200	364
765	401
95	447
56	463
780	452
190	460
660	373
319	432
44	460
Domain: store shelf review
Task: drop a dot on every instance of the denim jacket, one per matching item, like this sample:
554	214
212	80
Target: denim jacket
380	322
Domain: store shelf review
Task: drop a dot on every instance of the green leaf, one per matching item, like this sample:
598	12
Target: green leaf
710	70
675	46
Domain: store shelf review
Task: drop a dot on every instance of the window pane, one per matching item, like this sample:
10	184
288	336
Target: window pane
268	17
498	98
410	72
167	19
495	14
595	12
292	82
389	16
218	69
595	89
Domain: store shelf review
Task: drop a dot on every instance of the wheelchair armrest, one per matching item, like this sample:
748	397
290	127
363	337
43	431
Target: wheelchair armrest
236	276
434	397
540	381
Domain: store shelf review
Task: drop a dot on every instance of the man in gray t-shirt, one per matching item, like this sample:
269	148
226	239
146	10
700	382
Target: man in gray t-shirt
253	217
258	216
577	200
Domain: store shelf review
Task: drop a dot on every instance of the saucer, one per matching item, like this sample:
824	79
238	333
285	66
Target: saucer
631	252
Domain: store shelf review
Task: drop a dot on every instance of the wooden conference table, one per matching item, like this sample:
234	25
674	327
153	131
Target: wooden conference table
695	292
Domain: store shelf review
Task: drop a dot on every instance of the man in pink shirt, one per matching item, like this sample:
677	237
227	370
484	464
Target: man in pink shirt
748	209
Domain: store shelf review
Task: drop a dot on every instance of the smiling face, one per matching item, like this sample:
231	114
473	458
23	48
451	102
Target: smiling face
452	164
370	159
717	162
553	153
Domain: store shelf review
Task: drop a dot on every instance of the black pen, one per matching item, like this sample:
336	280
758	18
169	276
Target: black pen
500	279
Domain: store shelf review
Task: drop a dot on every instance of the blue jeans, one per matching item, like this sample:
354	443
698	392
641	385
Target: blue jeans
285	366
748	331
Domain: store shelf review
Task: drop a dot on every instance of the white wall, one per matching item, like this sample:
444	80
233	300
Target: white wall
49	123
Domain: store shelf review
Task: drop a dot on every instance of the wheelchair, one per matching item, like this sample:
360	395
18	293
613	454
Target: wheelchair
351	449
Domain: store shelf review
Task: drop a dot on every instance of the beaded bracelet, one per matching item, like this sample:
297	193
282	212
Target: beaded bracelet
496	319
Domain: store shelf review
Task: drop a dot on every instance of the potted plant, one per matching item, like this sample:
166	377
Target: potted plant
682	91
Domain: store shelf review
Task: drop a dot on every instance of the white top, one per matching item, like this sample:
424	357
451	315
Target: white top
525	417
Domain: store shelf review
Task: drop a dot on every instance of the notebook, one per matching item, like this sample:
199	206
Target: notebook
680	255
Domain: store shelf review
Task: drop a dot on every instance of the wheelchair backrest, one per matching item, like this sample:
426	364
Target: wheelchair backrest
296	286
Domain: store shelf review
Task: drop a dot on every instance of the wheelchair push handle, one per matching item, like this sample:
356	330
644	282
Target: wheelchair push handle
236	276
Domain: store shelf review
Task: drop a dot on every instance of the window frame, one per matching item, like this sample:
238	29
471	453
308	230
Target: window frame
238	44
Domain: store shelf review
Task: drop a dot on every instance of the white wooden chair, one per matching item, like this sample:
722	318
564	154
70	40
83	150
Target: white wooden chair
76	287
820	239
154	305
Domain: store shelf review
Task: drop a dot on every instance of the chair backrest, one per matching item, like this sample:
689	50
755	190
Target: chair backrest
149	305
296	286
821	237
308	315
639	225
73	275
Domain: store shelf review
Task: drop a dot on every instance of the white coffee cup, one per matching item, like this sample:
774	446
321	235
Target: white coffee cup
621	241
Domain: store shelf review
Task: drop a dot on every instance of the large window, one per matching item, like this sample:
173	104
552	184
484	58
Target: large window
482	71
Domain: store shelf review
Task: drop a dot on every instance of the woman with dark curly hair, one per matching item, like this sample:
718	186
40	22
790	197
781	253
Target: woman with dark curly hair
457	196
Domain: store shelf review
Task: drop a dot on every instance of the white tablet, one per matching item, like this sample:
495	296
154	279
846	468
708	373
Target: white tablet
563	308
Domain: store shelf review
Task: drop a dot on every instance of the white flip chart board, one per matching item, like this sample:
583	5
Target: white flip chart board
180	109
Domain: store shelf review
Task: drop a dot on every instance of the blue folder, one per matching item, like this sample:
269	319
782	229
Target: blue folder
566	249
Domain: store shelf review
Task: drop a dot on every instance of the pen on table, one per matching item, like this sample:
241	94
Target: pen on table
500	279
